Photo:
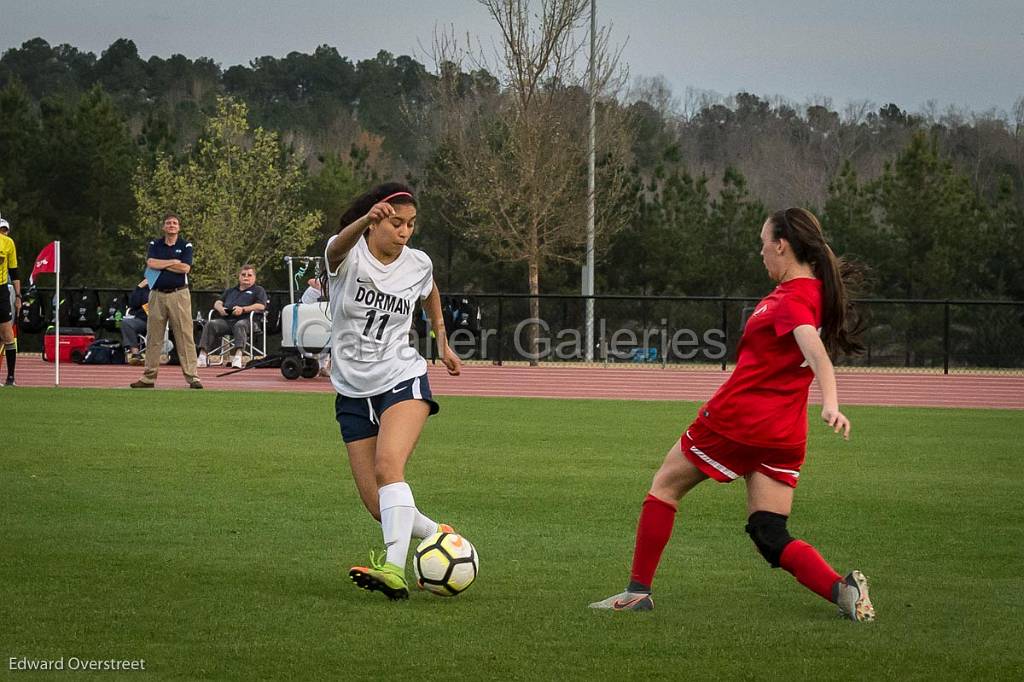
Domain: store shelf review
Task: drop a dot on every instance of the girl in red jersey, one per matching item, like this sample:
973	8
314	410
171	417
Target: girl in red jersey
755	426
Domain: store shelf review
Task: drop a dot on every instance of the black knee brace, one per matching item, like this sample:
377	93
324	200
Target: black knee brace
768	531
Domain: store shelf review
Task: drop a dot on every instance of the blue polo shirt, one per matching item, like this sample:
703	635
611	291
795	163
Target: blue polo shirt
235	296
180	250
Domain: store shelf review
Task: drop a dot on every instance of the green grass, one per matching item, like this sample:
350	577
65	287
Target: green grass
210	533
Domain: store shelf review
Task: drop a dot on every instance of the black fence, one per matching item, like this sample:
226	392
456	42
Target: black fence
677	330
202	303
951	335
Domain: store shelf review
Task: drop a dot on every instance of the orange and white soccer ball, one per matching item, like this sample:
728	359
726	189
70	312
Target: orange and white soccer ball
445	564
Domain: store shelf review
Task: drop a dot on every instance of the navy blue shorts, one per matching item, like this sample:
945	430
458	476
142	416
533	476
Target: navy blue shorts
359	418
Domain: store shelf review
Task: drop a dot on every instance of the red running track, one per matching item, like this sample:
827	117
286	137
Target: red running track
855	388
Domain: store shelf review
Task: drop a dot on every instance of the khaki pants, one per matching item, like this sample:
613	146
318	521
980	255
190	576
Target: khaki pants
174	309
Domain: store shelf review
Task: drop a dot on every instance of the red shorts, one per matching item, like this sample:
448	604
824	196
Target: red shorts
726	460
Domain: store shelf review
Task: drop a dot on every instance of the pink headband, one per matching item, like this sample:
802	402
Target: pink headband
396	194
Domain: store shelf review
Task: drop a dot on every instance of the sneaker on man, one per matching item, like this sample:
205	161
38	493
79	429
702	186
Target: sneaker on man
202	360
626	601
10	382
236	361
381	576
136	359
141	384
852	598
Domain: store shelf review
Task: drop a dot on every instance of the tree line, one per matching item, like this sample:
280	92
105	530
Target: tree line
262	158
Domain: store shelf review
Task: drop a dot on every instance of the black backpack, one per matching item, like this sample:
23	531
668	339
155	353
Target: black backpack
83	310
32	317
461	313
273	315
104	352
114	311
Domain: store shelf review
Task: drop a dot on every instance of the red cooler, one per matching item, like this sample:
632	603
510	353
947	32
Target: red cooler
73	342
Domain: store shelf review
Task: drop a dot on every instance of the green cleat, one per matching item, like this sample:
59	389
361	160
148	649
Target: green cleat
381	577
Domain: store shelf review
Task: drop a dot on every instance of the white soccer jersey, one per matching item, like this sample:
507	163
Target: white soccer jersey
371	310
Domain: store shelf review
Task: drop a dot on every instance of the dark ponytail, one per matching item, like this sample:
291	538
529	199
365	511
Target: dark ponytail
841	325
362	204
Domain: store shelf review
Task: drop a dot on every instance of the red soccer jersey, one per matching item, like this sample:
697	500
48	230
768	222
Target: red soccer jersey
764	402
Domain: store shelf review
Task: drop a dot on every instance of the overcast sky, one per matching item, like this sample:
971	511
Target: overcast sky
968	53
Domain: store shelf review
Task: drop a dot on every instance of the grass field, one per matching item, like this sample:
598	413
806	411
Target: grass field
209	533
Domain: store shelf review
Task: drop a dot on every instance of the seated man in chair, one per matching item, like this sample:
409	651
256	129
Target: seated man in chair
231	316
133	324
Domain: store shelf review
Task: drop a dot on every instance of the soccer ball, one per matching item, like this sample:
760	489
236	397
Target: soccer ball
445	564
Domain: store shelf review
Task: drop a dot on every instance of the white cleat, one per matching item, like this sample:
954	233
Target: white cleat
626	601
852	598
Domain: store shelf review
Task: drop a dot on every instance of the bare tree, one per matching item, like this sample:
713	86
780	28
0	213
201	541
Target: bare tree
513	158
657	92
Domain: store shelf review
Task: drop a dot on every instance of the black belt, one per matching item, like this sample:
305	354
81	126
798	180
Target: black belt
170	291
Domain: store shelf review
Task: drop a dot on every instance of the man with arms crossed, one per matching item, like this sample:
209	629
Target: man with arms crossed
170	302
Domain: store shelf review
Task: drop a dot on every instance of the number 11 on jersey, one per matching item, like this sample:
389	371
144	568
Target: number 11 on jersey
370	316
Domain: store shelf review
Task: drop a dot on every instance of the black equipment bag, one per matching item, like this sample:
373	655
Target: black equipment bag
273	315
460	313
32	317
115	311
83	309
104	352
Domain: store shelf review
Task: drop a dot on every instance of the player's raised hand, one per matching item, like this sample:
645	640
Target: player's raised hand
380	211
837	420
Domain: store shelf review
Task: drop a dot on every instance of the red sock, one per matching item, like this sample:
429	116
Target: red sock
809	568
652	534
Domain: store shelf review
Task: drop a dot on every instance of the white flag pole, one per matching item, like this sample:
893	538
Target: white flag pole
57	316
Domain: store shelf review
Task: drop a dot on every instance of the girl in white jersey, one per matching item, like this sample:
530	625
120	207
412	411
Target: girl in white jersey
383	396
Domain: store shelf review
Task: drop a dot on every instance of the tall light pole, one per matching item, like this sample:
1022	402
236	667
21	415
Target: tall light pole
588	269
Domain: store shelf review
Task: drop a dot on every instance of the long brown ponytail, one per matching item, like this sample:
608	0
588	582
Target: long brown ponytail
840	324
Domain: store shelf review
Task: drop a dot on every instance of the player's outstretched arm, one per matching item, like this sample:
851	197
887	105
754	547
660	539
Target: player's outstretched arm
814	352
351	233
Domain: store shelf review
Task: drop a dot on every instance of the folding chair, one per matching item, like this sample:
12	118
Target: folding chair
255	346
165	351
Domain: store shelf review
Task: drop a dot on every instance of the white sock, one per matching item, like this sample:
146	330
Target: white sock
397	516
423	526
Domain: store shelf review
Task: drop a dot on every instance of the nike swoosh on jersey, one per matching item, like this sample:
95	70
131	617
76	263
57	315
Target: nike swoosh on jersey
364	281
